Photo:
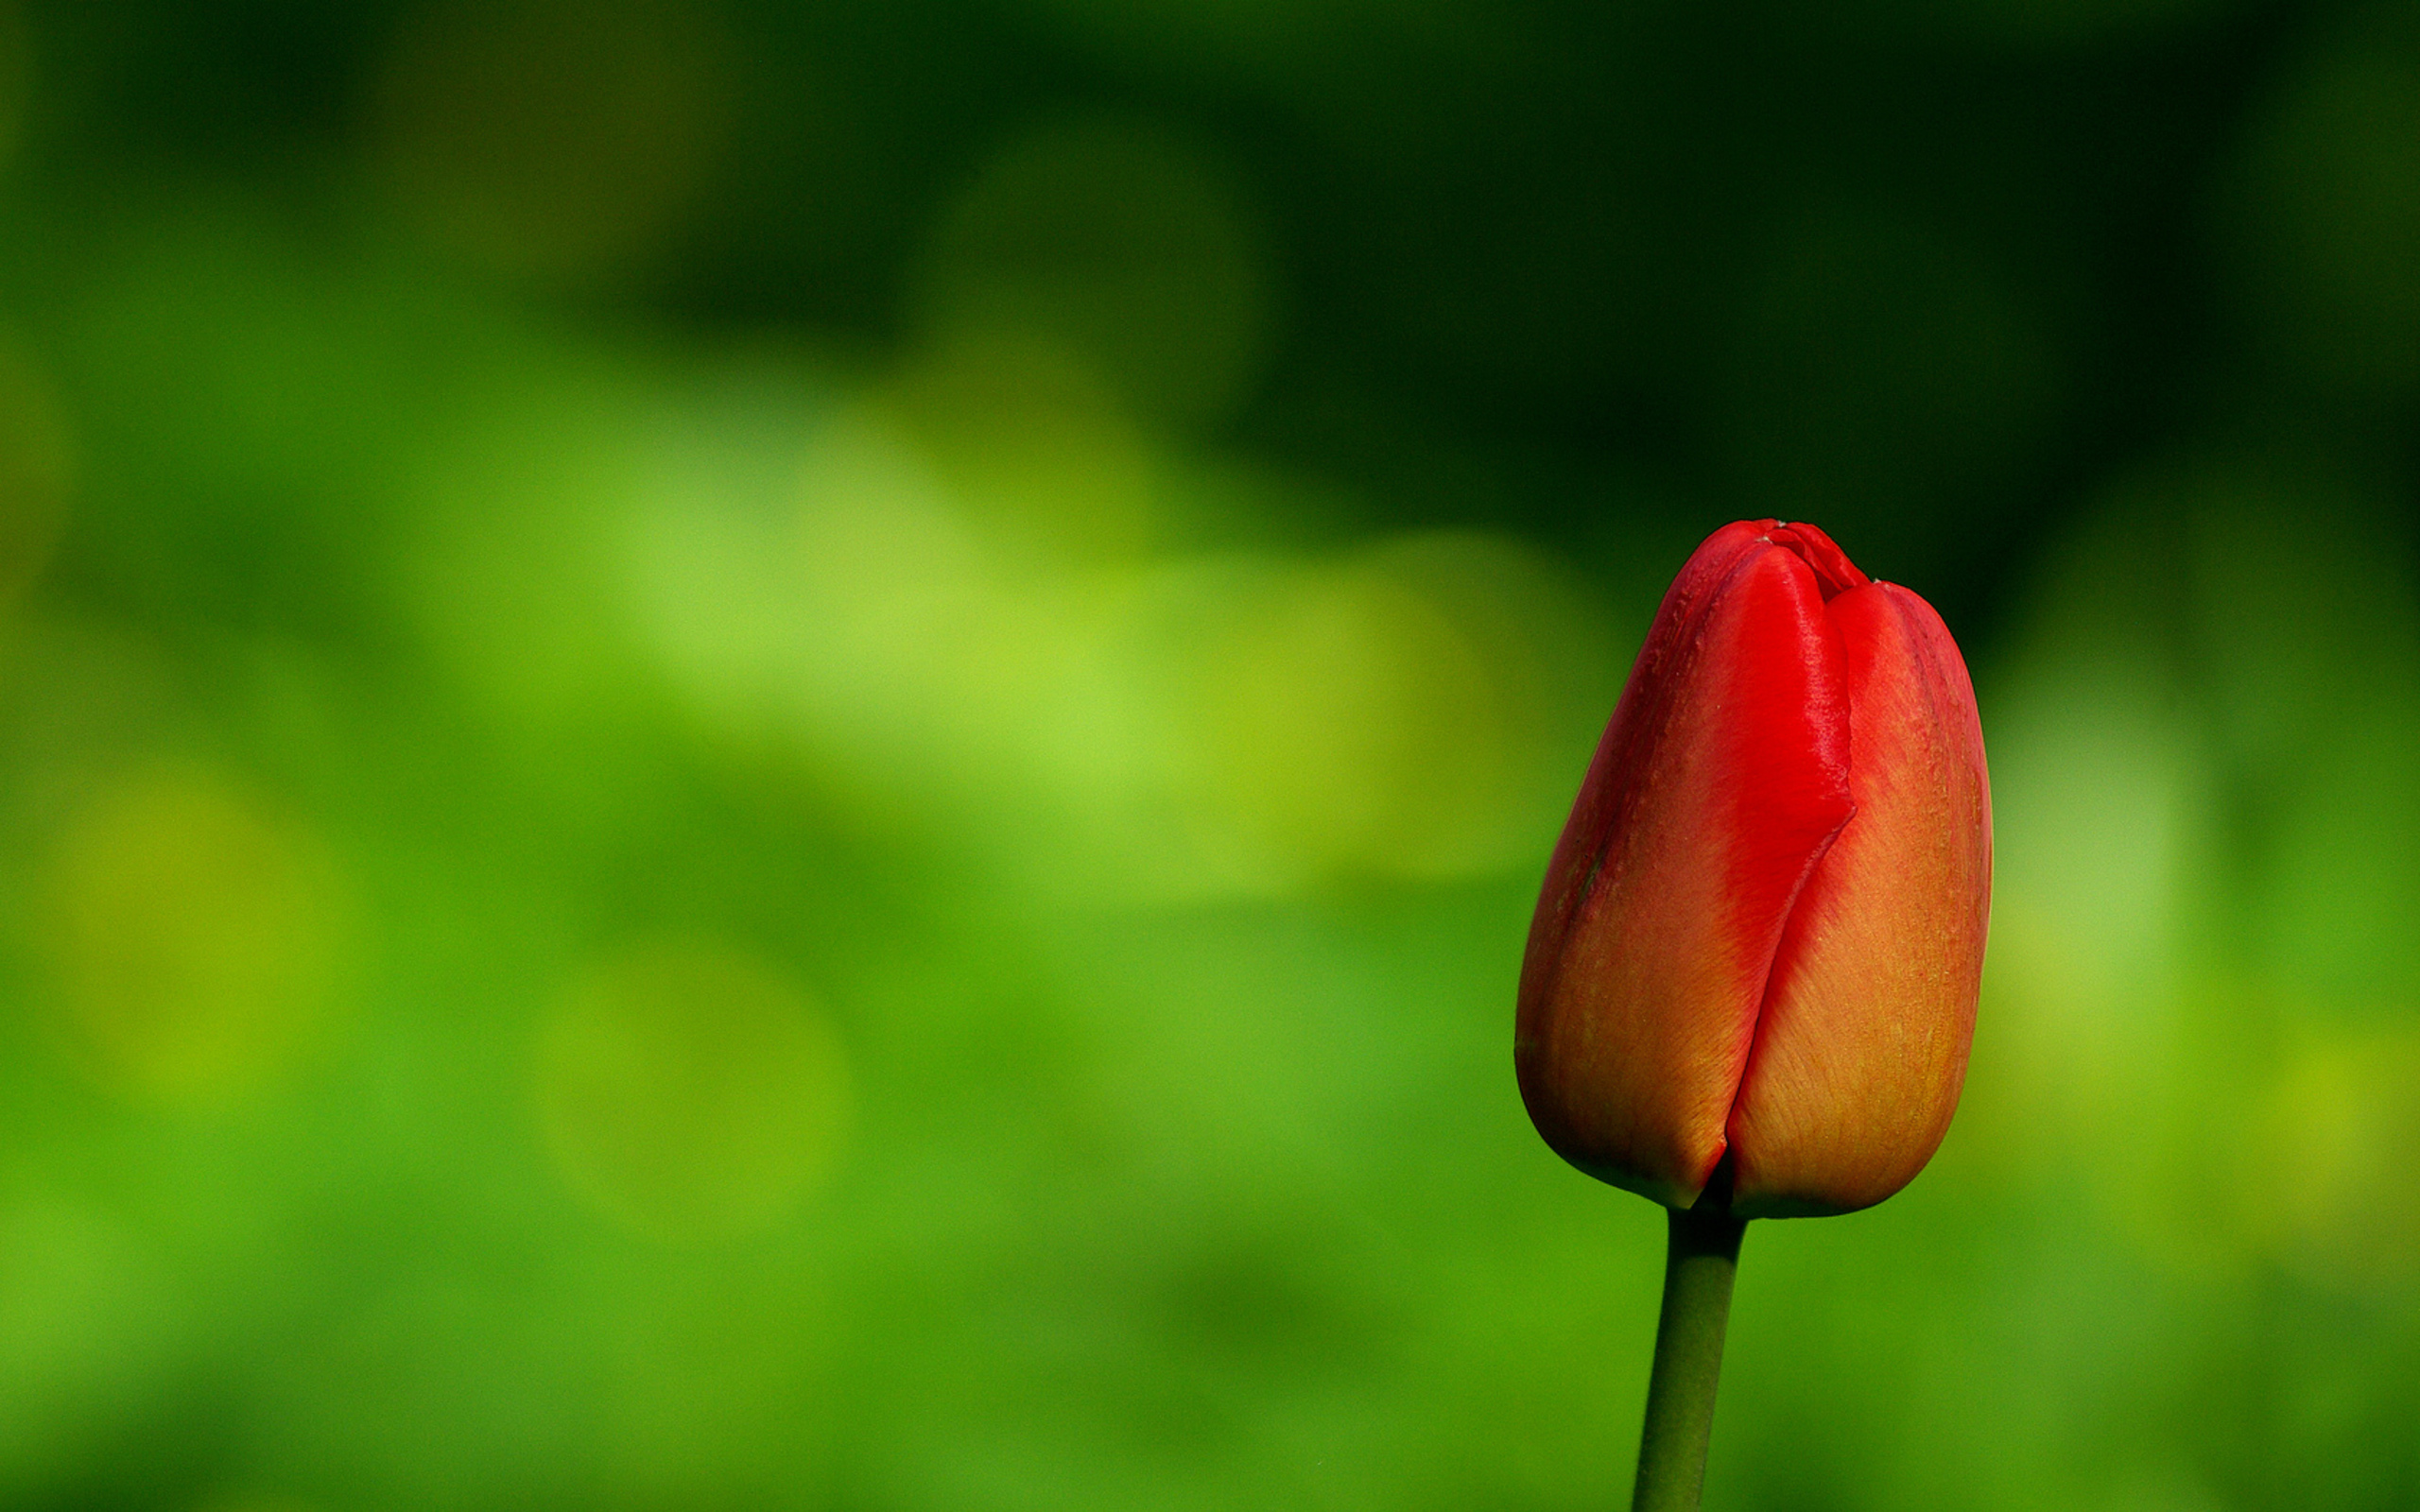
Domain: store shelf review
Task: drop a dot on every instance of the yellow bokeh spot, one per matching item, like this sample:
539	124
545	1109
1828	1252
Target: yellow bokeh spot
690	1090
888	592
1388	716
195	938
968	607
2340	1192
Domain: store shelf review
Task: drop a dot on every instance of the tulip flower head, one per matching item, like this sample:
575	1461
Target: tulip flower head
1762	934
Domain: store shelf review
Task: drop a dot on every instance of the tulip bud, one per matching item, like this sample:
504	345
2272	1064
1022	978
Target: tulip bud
1761	933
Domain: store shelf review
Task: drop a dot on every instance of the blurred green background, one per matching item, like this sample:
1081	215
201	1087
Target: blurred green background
792	756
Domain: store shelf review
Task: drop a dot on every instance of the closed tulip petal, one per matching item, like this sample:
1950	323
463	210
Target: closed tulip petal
1724	774
1832	570
1860	1051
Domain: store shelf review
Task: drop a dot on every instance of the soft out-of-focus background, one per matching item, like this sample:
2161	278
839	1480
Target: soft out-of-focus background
792	756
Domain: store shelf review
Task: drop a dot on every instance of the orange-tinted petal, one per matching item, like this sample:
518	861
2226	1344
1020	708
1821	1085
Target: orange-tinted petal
1720	780
1861	1048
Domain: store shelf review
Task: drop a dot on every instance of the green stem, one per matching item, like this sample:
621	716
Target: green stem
1698	1264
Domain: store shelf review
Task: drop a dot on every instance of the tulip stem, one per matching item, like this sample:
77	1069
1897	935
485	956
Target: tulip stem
1700	1260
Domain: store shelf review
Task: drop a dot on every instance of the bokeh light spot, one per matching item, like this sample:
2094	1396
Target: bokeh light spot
690	1090
196	938
890	607
896	598
1385	715
2343	1197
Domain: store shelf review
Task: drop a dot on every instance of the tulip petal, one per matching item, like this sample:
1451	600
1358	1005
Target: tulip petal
1834	572
1860	1051
1721	779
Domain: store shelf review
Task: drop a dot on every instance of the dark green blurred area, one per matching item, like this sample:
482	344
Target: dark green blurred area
793	756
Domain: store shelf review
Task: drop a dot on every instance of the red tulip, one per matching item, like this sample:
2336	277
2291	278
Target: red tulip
1762	931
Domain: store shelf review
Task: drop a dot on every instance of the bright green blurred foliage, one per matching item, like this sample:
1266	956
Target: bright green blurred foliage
779	756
